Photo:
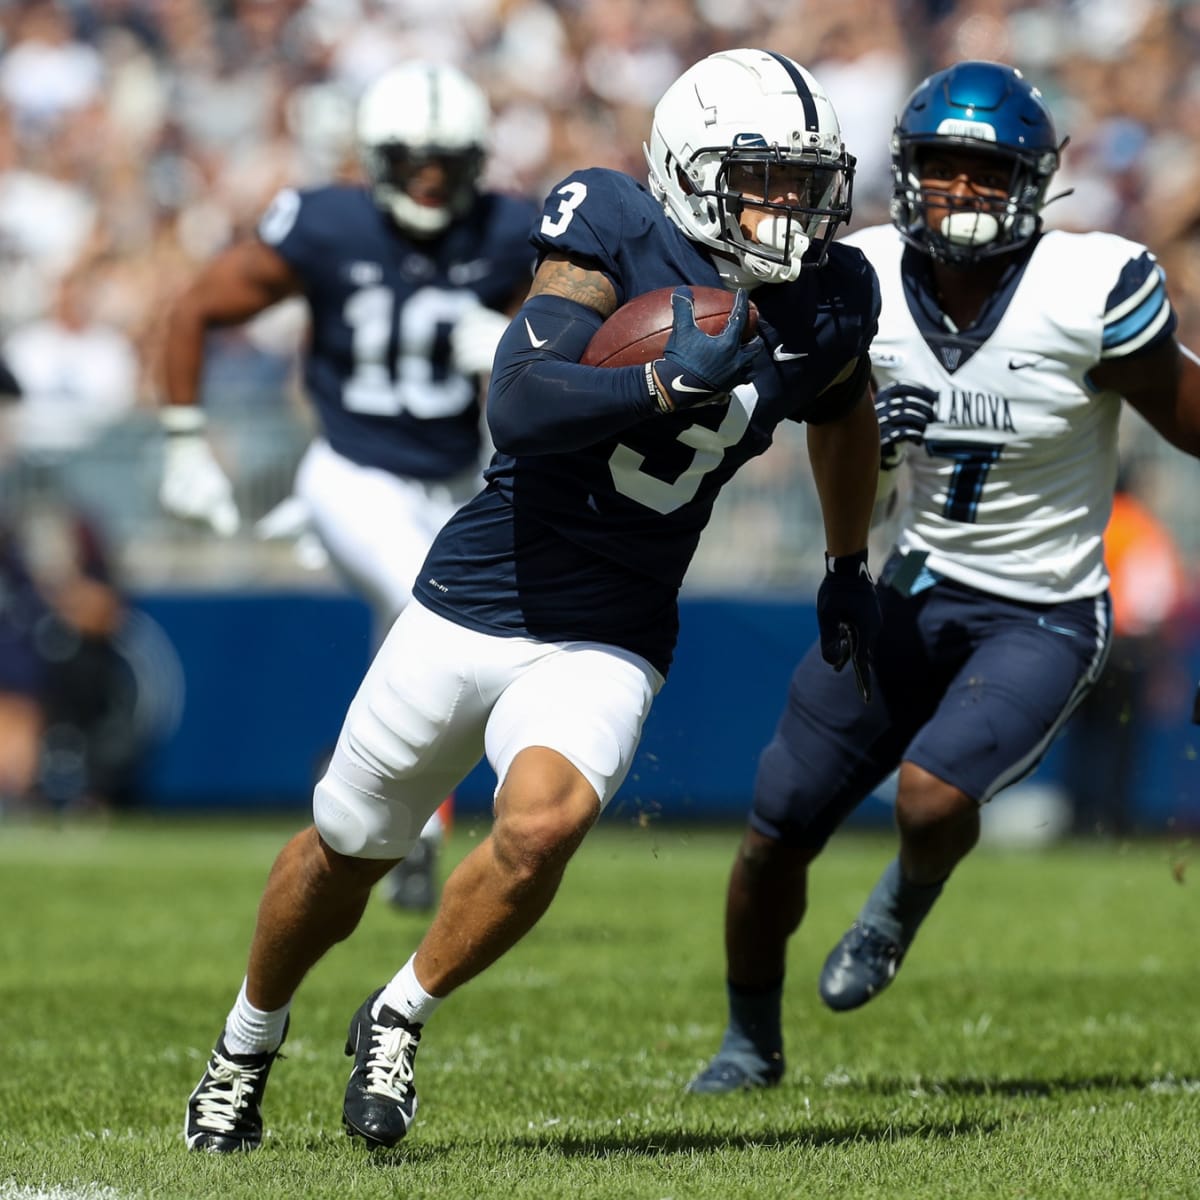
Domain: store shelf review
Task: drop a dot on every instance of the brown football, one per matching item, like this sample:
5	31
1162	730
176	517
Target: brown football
637	332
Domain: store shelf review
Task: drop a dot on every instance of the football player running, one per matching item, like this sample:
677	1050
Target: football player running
1002	358
545	615
409	282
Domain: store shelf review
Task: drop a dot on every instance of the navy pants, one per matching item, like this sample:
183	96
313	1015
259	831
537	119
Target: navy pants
970	686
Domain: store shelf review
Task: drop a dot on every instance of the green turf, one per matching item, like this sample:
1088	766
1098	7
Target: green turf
1043	1039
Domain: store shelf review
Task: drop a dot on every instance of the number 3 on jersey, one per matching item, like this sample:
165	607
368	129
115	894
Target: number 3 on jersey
574	194
420	380
626	465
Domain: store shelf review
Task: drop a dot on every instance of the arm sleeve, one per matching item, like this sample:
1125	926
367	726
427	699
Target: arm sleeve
541	400
840	396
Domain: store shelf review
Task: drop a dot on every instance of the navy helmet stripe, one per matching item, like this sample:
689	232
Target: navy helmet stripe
811	122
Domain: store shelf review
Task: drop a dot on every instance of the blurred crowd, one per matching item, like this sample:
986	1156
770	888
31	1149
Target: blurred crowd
137	137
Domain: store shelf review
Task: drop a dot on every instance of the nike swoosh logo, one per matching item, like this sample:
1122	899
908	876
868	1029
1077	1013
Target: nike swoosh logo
536	342
1018	364
678	384
782	355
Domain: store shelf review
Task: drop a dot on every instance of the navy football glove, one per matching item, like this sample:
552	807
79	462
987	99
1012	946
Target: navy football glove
697	368
848	617
903	416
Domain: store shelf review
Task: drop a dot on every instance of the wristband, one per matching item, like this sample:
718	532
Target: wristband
657	394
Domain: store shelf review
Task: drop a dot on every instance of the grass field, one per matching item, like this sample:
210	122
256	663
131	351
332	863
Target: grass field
1043	1039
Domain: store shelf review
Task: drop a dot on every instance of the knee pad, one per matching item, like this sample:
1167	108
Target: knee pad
359	824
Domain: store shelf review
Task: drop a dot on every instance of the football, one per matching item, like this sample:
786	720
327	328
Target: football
637	332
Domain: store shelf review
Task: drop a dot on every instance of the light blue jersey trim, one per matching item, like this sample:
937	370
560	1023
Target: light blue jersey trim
1130	326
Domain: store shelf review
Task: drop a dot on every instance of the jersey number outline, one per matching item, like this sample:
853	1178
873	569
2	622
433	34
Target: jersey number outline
972	463
625	464
420	379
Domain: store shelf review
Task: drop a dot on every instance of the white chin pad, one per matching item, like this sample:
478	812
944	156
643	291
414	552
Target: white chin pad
772	232
970	228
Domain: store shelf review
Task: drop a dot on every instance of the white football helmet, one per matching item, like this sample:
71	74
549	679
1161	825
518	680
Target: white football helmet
759	110
413	114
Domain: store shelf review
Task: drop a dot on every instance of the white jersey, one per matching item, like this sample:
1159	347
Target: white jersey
1011	490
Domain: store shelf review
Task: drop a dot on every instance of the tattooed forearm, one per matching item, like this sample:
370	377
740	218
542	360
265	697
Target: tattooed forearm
561	277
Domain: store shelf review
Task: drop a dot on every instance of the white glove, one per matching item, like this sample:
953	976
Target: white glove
474	339
193	484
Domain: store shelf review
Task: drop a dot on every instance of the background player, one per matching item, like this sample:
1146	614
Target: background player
546	614
1000	363
409	282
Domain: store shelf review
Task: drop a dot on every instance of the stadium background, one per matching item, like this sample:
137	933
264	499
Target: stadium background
138	136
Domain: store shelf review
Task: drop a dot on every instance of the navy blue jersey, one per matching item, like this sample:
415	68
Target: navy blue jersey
378	366
594	543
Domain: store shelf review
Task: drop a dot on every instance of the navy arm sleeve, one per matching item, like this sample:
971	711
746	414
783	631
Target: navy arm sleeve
542	401
839	398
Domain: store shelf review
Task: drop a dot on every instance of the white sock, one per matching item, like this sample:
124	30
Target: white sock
405	995
249	1030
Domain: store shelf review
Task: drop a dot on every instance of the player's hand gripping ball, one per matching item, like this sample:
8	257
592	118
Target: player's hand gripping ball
637	332
692	342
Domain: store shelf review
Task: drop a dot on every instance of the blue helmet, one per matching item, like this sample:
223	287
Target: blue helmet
984	107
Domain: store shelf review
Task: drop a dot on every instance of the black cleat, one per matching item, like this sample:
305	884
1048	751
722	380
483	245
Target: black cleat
412	884
381	1100
859	967
730	1071
224	1113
